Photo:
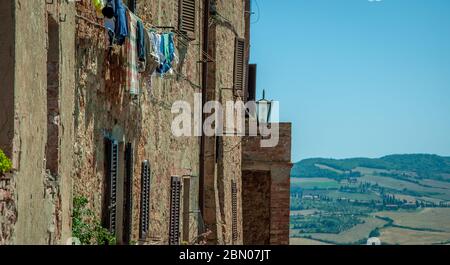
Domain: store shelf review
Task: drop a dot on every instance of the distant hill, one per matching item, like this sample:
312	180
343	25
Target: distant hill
422	165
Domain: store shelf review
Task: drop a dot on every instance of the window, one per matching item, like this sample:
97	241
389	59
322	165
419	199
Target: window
186	207
187	18
145	200
239	67
251	87
53	68
174	226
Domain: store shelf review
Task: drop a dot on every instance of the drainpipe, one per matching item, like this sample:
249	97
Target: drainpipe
201	199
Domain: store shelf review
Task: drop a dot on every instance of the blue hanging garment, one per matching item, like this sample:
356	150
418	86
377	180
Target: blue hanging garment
168	51
121	22
141	41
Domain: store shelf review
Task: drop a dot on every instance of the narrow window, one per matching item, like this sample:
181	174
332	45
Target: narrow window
187	18
174	226
128	194
145	200
239	67
252	69
234	223
186	207
53	54
218	148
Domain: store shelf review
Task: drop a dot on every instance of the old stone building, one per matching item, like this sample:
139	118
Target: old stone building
72	128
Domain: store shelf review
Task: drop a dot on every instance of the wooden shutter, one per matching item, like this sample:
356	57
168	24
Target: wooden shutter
187	18
239	67
145	200
174	226
112	167
128	194
234	223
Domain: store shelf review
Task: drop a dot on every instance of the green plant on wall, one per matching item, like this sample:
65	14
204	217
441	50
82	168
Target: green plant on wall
5	163
86	227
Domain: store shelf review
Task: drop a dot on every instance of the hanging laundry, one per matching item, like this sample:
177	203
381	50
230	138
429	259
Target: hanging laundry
156	41
152	58
141	49
99	5
109	9
110	26
121	22
168	51
132	55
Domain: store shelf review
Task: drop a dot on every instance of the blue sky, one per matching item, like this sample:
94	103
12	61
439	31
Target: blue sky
357	78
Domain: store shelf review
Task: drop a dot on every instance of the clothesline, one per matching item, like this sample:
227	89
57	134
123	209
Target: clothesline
153	27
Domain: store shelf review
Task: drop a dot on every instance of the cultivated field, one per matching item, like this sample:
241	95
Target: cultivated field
437	219
305	242
315	183
353	235
401	236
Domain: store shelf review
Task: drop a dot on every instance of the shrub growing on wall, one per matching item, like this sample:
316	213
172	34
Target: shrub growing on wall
86	227
5	163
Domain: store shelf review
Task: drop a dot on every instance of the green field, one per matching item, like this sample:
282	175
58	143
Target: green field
430	218
355	235
401	236
315	183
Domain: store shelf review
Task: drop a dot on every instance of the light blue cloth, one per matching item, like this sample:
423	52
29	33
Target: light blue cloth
167	49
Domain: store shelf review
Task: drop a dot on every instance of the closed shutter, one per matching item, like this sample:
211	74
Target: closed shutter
174	226
234	224
112	157
145	201
239	67
187	18
128	192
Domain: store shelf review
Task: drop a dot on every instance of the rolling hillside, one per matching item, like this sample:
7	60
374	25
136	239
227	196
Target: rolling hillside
422	165
349	200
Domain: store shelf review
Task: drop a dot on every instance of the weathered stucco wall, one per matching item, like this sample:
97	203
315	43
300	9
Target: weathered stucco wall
42	217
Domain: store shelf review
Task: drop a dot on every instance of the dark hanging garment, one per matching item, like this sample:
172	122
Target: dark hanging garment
109	9
121	22
132	6
141	41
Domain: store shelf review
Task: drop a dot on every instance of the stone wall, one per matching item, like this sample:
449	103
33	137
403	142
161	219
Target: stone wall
103	105
8	210
223	166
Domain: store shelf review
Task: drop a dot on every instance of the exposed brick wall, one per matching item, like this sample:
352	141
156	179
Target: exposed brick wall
280	206
277	162
256	207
